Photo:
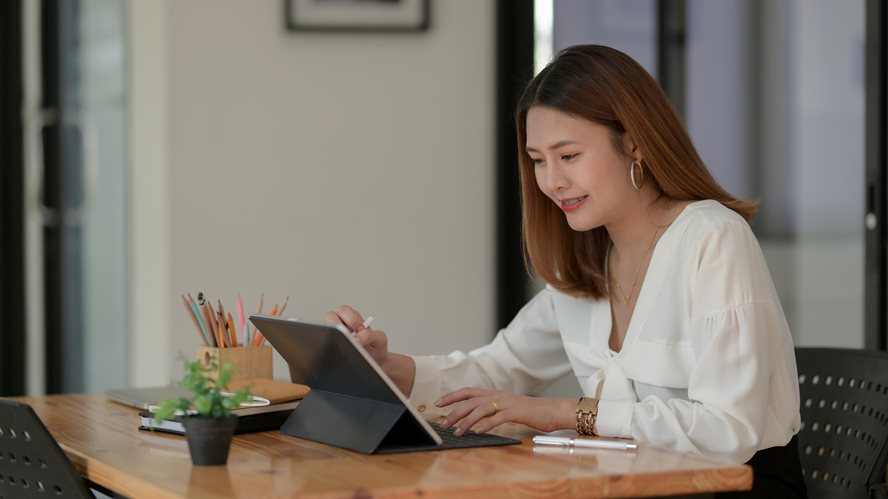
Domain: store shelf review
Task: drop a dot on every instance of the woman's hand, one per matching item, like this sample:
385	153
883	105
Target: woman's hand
374	341
400	368
490	408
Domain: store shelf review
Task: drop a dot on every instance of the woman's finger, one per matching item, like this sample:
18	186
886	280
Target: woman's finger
502	416
459	411
364	338
333	318
375	342
460	395
462	410
371	338
350	317
482	409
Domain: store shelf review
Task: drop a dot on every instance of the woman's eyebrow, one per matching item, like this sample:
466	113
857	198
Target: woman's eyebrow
557	145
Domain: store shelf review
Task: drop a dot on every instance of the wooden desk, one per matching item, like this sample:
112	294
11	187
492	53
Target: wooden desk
103	442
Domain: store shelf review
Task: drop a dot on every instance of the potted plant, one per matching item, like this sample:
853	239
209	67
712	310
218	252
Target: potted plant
206	416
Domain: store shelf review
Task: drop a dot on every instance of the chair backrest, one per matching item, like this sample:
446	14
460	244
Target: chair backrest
31	462
844	405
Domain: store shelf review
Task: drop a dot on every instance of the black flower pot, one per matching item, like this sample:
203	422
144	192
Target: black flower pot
209	438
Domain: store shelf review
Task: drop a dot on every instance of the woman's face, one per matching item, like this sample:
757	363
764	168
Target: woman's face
577	167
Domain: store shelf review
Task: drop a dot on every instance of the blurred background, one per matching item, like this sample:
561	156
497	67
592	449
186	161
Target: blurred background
154	148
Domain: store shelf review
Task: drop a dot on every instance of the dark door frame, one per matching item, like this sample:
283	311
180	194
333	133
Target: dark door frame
12	216
61	195
876	147
514	68
671	50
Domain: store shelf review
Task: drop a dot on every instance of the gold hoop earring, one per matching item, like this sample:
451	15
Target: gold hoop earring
636	183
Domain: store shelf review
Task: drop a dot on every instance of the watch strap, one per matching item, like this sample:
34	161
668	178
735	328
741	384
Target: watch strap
587	413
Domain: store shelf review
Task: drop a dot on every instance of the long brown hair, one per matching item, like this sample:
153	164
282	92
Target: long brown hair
605	86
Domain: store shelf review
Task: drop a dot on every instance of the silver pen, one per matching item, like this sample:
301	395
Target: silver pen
586	443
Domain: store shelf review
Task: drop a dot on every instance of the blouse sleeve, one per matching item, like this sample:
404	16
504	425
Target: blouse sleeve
738	333
525	357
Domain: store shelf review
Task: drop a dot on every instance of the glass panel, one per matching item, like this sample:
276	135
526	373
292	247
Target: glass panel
626	25
775	105
104	287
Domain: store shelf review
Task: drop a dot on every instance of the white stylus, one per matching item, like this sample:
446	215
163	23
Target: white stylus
587	443
364	325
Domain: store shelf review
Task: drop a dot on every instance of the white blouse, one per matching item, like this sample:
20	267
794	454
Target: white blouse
707	365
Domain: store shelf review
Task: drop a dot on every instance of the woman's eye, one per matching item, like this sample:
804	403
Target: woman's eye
536	161
568	157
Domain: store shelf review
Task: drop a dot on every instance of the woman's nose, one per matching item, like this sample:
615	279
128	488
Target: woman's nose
555	178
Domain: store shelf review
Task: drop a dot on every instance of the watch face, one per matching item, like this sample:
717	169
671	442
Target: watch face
587	404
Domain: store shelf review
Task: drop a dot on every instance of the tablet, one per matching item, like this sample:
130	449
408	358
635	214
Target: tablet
143	398
352	403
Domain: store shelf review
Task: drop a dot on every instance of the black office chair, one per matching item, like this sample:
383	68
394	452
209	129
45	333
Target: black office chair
844	437
32	465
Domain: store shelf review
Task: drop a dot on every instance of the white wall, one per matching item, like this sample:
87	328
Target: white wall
330	168
150	289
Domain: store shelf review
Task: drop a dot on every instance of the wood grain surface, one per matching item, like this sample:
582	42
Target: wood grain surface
103	442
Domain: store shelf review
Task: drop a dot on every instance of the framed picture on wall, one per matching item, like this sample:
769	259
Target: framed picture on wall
357	15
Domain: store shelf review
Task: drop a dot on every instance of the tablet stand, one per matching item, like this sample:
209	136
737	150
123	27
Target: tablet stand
359	424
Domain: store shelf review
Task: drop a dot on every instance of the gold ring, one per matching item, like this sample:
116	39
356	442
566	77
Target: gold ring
495	407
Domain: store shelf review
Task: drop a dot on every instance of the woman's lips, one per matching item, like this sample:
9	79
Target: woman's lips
573	203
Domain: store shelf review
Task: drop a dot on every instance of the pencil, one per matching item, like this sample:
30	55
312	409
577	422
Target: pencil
257	341
232	331
259	338
196	312
221	308
282	306
220	327
224	323
193	319
223	329
253	331
200	321
223	326
247	327
214	326
240	319
211	331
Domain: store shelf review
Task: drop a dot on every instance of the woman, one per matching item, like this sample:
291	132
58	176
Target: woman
658	297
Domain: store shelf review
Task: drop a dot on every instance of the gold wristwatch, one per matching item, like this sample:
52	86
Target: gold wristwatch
587	412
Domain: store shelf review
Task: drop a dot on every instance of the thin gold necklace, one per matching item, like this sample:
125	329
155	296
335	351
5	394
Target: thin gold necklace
627	298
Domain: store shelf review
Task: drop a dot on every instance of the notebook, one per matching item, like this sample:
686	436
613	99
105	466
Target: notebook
275	391
265	418
144	397
279	395
352	404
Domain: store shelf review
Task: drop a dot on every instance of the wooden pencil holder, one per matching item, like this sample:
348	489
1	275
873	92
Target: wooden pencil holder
248	362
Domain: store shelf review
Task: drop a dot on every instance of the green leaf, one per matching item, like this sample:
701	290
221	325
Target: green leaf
207	398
